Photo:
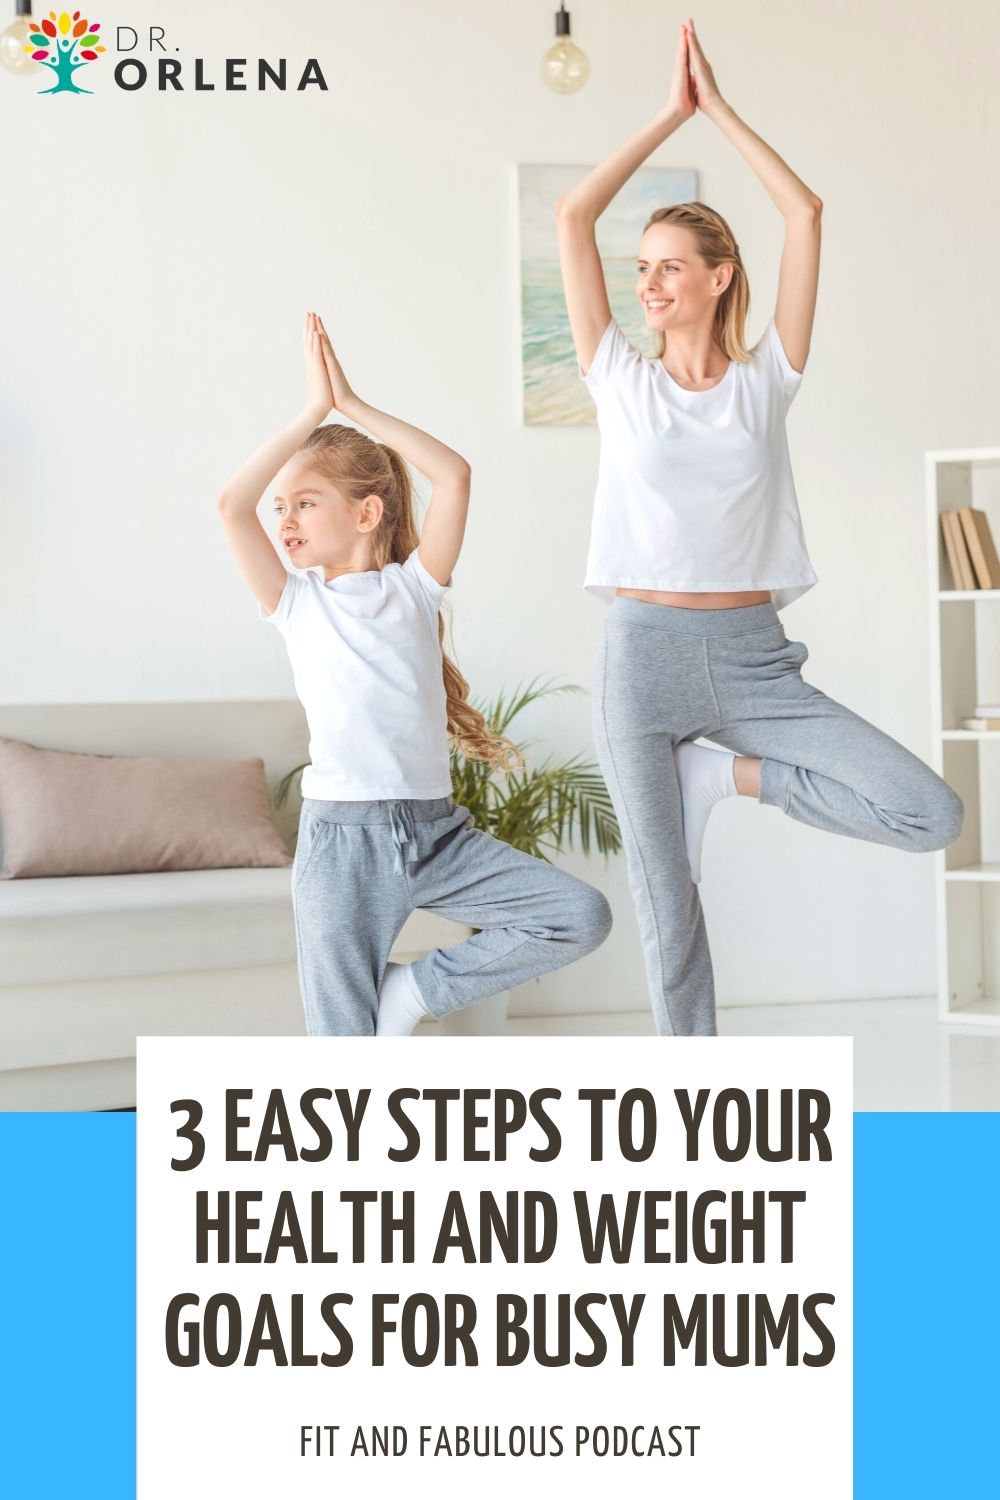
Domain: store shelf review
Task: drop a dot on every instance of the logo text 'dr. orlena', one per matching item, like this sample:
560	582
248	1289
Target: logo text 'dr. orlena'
228	74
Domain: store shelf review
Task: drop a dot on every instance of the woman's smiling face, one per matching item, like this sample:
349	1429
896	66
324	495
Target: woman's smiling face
674	284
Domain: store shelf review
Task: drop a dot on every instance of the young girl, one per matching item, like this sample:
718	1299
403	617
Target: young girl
697	544
379	833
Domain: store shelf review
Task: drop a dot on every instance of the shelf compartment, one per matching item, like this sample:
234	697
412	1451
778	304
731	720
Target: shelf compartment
972	949
962	770
985	1012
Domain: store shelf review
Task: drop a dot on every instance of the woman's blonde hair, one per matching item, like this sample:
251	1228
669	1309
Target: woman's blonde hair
716	245
358	466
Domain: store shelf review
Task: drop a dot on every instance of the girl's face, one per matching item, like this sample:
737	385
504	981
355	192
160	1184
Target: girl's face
317	525
674	285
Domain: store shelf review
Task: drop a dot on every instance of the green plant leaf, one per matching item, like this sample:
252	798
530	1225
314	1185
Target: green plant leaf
284	786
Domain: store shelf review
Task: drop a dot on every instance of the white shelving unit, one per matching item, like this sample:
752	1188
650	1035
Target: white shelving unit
965	670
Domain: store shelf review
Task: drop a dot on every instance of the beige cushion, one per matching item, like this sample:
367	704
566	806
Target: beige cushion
69	814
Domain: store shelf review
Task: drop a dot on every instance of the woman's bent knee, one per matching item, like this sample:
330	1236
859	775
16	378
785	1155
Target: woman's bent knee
950	816
942	824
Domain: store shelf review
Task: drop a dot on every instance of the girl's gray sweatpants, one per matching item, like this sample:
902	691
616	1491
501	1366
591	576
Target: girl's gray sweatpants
666	674
361	868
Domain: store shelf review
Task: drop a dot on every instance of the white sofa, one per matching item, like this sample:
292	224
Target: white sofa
87	963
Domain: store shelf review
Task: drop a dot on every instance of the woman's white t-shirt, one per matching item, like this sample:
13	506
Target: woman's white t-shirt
695	489
366	660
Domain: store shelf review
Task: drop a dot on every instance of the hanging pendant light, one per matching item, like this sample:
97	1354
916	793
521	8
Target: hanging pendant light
564	67
15	54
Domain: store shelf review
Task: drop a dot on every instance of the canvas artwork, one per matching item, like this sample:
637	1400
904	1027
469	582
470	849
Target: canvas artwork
554	394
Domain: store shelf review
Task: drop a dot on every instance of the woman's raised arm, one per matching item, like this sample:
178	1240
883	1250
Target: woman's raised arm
578	210
798	277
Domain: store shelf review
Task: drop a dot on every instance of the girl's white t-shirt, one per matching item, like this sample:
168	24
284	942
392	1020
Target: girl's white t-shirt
695	490
366	660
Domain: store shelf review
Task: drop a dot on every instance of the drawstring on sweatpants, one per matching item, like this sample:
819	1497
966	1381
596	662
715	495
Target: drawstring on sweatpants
403	833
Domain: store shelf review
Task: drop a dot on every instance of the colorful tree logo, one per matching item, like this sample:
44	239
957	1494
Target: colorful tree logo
55	45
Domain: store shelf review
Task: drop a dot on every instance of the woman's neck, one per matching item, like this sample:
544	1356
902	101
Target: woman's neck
694	358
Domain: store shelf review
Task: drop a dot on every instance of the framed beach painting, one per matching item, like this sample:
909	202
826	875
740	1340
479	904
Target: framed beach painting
554	394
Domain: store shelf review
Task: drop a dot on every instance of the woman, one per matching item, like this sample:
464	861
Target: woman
697	544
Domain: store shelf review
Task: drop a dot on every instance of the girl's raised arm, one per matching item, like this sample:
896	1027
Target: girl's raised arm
578	210
238	501
798	277
443	530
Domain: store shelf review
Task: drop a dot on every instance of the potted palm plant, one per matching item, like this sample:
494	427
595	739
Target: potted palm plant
544	808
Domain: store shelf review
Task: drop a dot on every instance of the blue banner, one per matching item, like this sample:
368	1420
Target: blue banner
927	1305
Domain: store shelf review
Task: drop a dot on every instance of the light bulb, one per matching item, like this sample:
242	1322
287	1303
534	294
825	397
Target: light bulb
14	42
564	67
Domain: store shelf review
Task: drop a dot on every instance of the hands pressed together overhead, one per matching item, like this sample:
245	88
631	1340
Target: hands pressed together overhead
693	84
327	388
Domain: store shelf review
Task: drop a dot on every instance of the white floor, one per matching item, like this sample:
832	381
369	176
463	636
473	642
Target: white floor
903	1057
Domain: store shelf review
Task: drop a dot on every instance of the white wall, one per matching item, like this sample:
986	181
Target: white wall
159	253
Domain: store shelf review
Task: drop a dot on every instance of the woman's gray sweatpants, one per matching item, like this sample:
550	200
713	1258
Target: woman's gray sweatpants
361	868
666	674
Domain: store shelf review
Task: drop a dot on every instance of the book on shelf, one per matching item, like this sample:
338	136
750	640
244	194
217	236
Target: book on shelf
985	563
987	710
968	542
979	722
957	550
